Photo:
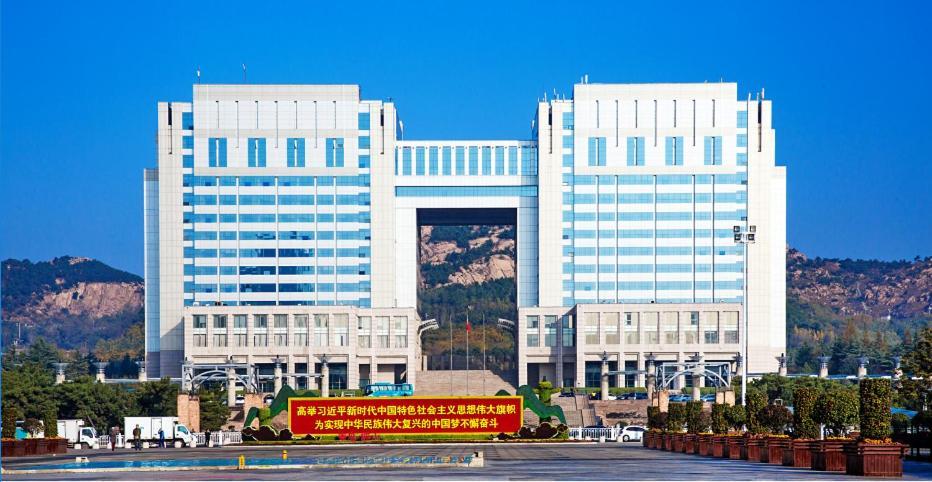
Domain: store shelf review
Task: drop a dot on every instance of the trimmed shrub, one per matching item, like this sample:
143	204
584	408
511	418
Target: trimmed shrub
736	416
652	413
756	401
837	409
694	416
266	434
719	419
33	426
50	421
804	402
676	417
775	418
9	422
284	434
876	397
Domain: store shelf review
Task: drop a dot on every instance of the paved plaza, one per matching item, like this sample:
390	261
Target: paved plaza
563	461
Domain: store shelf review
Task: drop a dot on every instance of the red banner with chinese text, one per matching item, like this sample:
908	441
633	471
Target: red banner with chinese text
405	415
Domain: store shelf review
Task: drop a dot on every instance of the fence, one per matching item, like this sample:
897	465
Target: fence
580	433
200	439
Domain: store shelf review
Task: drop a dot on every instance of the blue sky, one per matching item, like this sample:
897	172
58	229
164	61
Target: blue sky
80	82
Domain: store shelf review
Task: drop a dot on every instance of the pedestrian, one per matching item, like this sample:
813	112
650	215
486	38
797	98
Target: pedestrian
137	438
161	438
114	433
207	438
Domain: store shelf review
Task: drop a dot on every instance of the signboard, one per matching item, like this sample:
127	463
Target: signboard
405	415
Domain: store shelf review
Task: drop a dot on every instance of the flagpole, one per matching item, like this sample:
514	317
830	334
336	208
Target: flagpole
467	352
451	354
483	355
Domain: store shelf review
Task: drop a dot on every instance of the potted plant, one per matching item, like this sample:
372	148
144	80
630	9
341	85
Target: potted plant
660	434
650	435
719	424
737	442
33	426
705	434
836	410
874	454
775	418
805	430
693	426
756	435
8	432
676	419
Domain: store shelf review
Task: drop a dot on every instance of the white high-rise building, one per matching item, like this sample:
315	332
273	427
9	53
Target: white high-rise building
282	222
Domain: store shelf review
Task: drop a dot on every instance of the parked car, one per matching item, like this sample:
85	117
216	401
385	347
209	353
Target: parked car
640	396
239	401
632	433
567	392
710	398
682	398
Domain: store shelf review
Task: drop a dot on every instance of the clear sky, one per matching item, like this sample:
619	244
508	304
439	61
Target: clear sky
80	81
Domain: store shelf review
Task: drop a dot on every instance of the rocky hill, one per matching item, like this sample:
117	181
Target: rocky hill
73	302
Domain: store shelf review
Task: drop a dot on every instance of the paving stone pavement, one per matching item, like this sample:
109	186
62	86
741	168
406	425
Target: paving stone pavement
564	461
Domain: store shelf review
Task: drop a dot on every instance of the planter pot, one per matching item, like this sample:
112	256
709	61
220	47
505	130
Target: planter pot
690	443
679	443
875	460
7	448
776	446
705	445
646	439
737	448
827	455
668	442
61	446
799	454
757	450
31	446
42	446
719	446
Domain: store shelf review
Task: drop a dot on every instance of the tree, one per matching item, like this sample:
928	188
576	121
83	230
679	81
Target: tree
774	418
756	401
694	423
676	417
719	418
159	398
50	421
100	404
876	397
917	368
804	402
28	388
10	415
837	409
736	416
214	411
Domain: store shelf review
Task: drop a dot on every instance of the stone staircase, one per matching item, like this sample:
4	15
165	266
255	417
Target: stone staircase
437	382
578	410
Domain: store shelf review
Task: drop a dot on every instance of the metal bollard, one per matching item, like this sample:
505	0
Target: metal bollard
284	455
242	462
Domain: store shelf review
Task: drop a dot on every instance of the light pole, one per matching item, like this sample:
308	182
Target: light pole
745	236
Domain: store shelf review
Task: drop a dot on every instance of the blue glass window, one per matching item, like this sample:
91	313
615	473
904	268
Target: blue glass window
568	120
512	161
295	218
296	235
334	147
742	140
257	200
256	154
296	199
187	142
296	156
486	161
447	160
364	161
635	151
217	152
296	270
713	151
406	161
363	121
500	161
187	120
473	161
295	253
256	235
597	151
364	142
460	161
742	119
187	160
418	161
433	161
674	151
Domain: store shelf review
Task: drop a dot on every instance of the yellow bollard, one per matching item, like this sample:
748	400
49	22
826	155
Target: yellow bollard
242	462
284	455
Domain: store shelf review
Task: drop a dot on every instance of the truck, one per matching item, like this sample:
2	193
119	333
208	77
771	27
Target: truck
150	429
76	433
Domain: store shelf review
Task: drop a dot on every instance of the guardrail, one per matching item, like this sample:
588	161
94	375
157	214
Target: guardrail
582	433
218	438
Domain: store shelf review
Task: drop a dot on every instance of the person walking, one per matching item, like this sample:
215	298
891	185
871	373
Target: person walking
137	438
161	438
114	433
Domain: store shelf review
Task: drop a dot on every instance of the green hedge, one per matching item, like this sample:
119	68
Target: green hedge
756	401
719	418
694	422
837	409
652	413
876	397
736	416
676	417
804	403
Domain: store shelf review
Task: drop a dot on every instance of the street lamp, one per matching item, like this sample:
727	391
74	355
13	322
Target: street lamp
745	236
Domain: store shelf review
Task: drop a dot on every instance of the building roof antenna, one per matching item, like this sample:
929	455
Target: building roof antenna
198	73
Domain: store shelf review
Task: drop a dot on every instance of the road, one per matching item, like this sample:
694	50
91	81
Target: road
563	461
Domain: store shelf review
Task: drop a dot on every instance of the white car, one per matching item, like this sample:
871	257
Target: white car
632	433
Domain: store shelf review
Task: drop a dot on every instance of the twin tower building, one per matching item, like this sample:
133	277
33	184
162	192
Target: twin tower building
282	229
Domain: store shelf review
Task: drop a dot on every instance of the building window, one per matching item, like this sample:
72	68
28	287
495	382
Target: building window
400	331
364	329
550	330
281	339
631	329
334	146
200	340
569	331
200	321
220	322
597	151
281	321
256	154
220	340
381	331
651	332
691	330
321	330
730	326
610	326
296	156
239	322
670	327
363	121
635	151
591	326
712	154
710	327
341	329
241	339
217	152
533	331
674	151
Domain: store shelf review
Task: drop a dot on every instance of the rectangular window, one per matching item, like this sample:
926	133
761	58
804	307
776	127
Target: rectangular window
321	330
239	322
591	327
400	330
418	161
381	331
256	154
742	140
406	161
241	339
691	330
569	330
550	330
500	161
533	331
260	339
712	152
730	326
200	340
631	329
597	151
651	328
486	161
341	329
460	161
433	161
710	327
296	155
447	155
610	326
635	151
674	151
334	146
670	326
217	152
742	119
364	332
363	121
473	161
281	321
200	321
220	322
187	120
220	340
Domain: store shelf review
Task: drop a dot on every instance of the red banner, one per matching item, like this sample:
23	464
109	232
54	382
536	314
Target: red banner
405	415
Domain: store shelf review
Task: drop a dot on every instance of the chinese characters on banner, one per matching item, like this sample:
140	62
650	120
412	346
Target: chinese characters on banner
405	415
